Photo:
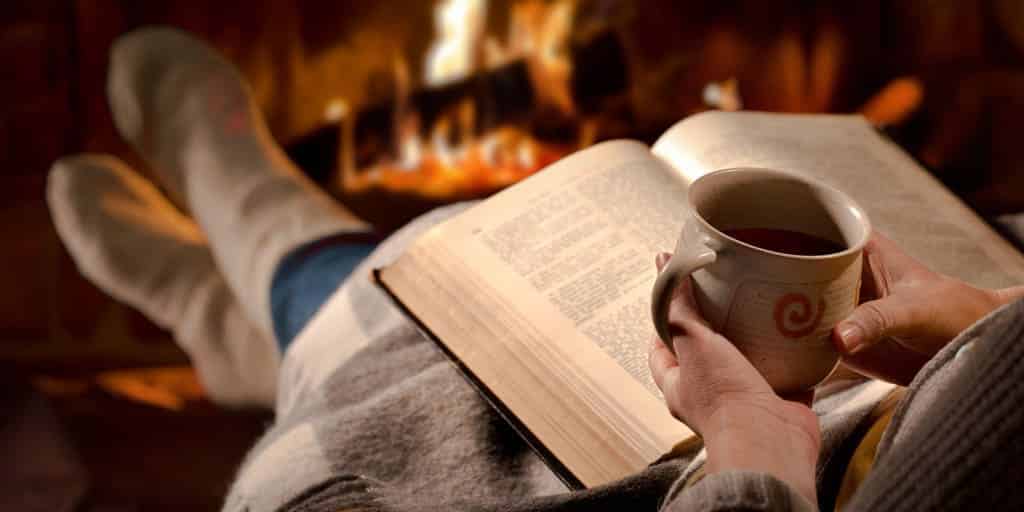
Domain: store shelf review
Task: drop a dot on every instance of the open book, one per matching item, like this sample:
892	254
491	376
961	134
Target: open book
541	294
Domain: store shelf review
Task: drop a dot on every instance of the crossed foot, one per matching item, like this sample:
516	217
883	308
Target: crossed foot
206	276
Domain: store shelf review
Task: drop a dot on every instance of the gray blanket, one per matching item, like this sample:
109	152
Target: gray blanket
378	419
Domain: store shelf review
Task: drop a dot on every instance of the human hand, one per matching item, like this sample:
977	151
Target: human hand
709	385
907	314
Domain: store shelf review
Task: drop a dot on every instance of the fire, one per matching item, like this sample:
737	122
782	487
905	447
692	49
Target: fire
460	27
452	157
444	170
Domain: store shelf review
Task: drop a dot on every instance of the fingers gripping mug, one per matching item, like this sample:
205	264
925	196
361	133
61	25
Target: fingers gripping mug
776	262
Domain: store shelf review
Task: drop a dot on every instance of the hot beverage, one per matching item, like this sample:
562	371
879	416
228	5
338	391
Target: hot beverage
785	241
778	305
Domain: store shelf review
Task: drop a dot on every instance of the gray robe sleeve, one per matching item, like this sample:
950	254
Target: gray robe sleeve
737	491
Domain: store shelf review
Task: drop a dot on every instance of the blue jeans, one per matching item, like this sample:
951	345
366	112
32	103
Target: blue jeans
307	277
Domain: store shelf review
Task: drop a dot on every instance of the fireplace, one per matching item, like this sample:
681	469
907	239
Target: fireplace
470	96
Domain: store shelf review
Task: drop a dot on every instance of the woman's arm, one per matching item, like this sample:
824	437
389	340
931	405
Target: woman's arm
753	437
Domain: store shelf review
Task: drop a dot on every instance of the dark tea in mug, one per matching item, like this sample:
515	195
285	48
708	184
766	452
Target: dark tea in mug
786	241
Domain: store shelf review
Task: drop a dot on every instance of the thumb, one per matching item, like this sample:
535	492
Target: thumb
869	323
661	259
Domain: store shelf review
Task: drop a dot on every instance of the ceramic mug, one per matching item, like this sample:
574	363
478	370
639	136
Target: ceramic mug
777	307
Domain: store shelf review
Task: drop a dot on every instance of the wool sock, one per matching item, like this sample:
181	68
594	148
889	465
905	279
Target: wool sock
190	114
132	243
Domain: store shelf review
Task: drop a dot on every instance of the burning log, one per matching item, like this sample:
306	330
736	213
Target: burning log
504	95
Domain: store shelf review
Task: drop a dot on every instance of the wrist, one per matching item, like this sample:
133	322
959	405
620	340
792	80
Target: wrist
779	438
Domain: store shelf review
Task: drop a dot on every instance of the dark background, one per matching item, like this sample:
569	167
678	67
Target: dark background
99	446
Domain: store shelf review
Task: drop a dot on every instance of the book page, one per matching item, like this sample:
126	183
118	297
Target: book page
587	248
902	200
583	243
556	274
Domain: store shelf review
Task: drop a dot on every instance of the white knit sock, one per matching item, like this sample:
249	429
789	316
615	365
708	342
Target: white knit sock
192	117
133	244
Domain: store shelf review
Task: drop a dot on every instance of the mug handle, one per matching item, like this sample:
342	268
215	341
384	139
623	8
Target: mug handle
679	267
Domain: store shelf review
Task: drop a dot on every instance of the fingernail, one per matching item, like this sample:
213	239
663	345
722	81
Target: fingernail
661	259
852	338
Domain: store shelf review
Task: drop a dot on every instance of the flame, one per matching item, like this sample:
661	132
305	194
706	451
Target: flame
460	27
440	141
527	153
406	122
336	110
540	33
410	144
555	33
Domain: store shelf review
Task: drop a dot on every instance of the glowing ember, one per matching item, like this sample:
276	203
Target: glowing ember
723	95
410	149
497	160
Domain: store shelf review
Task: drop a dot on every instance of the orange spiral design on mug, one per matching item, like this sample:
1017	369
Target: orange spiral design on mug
802	320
